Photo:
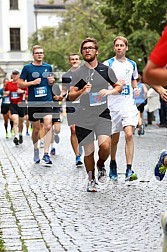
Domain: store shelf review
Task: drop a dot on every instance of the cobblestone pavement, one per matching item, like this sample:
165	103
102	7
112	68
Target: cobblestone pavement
48	209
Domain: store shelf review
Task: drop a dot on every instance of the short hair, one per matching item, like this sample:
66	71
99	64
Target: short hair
121	38
72	54
89	40
36	47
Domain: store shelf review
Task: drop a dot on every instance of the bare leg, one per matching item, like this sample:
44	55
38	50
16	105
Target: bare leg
114	143
15	119
89	160
129	145
48	132
35	133
74	140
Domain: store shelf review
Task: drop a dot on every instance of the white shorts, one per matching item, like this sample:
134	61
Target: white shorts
124	117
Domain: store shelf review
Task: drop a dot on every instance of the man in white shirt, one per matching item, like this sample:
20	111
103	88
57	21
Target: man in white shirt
124	114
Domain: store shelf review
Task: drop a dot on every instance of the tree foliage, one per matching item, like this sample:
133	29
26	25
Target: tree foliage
80	20
141	21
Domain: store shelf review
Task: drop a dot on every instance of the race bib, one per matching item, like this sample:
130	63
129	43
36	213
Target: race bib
15	95
96	100
40	91
6	100
126	90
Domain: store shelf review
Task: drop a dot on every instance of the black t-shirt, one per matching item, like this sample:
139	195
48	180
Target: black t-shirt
100	77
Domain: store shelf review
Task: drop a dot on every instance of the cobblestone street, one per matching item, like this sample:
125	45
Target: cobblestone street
48	209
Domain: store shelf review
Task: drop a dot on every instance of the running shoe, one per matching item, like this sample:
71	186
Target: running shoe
102	175
130	175
7	135
113	172
27	133
139	131
16	141
57	139
20	139
36	156
78	161
160	168
47	161
142	130
53	151
91	186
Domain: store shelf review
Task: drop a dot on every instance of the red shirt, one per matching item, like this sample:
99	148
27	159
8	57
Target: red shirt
15	97
159	54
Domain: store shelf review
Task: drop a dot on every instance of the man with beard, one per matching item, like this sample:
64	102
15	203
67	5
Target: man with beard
90	85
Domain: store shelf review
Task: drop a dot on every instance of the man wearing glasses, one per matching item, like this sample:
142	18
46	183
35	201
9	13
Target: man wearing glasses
38	77
90	85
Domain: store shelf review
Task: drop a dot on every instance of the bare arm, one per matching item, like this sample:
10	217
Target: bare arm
154	75
145	90
75	93
25	84
115	91
162	91
135	88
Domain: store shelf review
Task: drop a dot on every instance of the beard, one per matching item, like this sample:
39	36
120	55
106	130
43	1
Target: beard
90	59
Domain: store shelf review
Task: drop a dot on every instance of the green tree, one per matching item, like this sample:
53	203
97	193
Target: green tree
80	20
141	21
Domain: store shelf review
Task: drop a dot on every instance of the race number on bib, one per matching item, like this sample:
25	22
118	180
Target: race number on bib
15	95
126	90
95	99
6	100
40	91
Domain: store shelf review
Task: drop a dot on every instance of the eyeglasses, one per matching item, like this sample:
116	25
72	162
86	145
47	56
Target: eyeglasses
88	48
38	53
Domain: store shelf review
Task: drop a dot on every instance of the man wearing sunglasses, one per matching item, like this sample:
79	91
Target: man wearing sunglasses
90	85
38	77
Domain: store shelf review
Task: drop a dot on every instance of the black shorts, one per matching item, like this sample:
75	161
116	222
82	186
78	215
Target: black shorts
56	115
25	110
37	113
140	107
5	108
16	109
102	126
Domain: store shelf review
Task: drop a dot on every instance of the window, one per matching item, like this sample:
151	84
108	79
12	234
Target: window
15	39
13	4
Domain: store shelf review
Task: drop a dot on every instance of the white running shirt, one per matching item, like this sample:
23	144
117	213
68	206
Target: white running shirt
126	71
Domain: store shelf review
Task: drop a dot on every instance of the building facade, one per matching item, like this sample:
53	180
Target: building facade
19	19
